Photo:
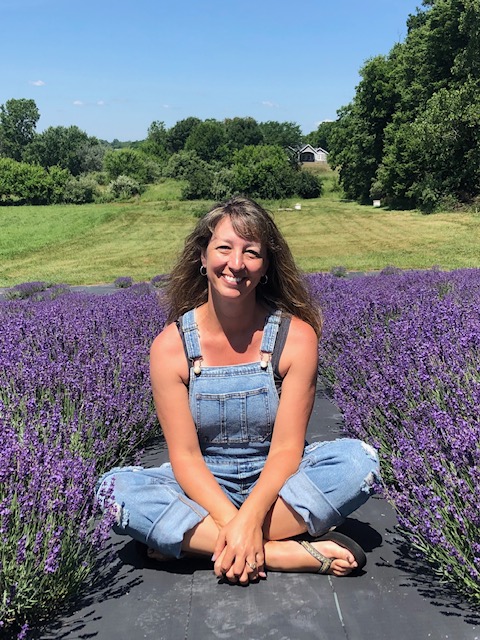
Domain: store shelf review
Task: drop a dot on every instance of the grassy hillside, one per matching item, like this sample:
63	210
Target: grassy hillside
97	243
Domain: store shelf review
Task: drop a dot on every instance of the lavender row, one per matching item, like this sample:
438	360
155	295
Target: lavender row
401	353
75	399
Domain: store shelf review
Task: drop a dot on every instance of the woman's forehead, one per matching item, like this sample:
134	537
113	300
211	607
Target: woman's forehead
228	226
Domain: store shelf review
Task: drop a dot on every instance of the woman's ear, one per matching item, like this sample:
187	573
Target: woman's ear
266	264
203	259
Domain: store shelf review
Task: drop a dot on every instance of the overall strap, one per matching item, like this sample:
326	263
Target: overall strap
190	335
270	332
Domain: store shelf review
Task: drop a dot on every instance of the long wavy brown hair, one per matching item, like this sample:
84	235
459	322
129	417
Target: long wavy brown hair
285	289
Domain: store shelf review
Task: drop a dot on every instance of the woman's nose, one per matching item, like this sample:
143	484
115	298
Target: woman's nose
236	261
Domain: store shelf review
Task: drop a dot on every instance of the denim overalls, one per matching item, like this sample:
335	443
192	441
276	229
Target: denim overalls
234	409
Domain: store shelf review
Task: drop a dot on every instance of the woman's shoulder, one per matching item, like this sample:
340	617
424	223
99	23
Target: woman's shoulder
300	331
168	342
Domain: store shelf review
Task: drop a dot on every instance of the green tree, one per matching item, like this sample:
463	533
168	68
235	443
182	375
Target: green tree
263	172
180	165
178	134
66	147
356	139
241	132
131	163
409	134
23	183
281	134
436	157
18	120
207	139
156	142
321	136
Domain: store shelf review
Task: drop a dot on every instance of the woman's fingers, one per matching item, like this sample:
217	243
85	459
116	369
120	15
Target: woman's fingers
223	563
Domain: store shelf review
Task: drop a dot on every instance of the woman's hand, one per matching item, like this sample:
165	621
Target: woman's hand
239	554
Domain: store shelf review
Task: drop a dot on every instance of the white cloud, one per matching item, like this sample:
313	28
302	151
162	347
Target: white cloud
37	83
101	103
270	104
166	106
317	123
78	103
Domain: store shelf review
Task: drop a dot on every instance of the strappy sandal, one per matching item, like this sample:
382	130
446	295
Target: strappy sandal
340	539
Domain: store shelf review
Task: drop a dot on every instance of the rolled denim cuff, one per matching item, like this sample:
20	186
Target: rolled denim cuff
168	530
310	503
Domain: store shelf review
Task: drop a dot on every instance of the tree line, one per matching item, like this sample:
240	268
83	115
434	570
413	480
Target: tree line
411	135
214	159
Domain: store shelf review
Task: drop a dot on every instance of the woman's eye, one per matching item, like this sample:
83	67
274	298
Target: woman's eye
253	254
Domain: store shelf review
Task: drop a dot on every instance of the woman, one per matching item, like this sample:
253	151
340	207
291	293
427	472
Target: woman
233	378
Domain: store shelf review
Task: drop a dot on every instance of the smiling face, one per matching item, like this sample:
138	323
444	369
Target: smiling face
234	264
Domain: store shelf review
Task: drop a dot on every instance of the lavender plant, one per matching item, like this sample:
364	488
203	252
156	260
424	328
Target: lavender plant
74	400
123	282
401	353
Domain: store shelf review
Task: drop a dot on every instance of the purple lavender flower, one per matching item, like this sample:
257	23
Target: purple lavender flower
401	356
123	282
75	399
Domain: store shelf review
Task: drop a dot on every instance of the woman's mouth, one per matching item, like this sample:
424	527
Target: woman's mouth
232	279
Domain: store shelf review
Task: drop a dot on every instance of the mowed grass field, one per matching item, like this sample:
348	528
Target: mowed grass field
97	243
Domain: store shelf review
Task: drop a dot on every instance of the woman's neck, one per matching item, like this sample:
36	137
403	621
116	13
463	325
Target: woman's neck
232	319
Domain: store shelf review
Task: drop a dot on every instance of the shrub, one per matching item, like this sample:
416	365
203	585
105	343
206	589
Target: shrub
124	187
263	172
180	165
199	185
401	354
81	190
339	272
123	282
22	183
132	163
307	185
159	281
75	399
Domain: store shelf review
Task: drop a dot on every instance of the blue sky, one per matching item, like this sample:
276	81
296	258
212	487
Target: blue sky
113	67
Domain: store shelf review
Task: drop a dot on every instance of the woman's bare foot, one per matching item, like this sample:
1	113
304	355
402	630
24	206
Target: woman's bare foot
290	556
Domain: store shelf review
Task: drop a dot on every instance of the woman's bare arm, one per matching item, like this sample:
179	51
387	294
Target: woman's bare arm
243	536
169	374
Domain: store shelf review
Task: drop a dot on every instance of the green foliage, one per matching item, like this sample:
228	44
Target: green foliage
156	142
22	183
281	134
18	119
124	187
200	180
178	134
67	147
180	165
207	139
307	185
411	134
241	132
321	137
81	190
263	172
440	149
223	182
133	163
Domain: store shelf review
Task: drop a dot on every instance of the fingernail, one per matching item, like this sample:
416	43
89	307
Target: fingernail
262	574
214	557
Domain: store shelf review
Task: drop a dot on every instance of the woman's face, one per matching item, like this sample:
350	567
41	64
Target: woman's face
234	264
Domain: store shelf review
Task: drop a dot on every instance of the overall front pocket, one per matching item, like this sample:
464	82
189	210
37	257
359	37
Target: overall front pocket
239	416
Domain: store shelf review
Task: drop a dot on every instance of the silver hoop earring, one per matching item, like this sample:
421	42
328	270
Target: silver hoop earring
263	279
203	270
